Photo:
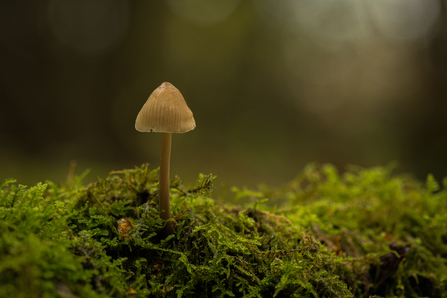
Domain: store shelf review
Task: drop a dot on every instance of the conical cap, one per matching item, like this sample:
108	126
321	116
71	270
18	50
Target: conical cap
165	111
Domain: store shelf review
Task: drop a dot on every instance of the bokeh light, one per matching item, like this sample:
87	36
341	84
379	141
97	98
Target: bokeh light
88	26
204	12
273	85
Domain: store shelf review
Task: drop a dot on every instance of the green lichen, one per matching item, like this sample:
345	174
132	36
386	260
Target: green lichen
324	234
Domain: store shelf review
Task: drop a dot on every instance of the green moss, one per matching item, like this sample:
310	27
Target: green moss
329	235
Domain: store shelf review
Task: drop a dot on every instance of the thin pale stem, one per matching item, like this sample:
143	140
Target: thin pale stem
164	204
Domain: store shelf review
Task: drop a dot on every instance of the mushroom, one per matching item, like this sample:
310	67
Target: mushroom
165	111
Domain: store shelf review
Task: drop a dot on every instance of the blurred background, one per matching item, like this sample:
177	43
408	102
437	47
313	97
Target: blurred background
273	85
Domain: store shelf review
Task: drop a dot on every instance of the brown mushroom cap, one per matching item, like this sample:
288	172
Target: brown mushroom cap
165	111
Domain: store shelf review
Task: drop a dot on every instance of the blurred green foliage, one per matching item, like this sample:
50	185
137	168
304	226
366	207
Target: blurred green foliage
273	85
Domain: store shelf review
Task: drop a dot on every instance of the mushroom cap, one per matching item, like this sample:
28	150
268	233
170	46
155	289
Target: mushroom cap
165	111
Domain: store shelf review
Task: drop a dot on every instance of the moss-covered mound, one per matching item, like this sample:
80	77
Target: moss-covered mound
353	235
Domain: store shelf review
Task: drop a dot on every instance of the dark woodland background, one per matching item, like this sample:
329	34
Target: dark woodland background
273	86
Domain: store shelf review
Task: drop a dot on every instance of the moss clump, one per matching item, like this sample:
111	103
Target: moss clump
352	235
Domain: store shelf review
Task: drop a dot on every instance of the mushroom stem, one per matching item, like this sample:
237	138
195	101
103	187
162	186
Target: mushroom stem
164	204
